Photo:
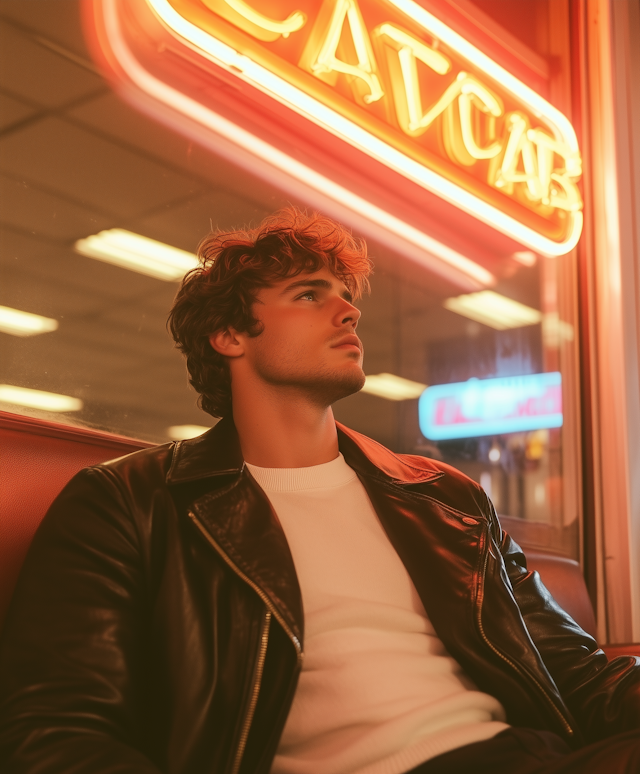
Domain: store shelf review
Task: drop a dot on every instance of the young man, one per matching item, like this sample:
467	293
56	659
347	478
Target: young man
283	594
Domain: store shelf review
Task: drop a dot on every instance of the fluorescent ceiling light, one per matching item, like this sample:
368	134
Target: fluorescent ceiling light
50	401
393	387
182	432
494	310
138	253
19	323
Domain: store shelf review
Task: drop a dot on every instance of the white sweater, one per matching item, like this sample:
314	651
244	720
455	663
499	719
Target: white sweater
378	693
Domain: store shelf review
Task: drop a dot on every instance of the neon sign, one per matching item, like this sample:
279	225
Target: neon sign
392	80
479	407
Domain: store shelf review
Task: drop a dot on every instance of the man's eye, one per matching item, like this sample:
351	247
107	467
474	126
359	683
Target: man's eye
309	294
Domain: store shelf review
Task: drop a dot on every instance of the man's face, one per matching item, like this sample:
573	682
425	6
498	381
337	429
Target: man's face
308	337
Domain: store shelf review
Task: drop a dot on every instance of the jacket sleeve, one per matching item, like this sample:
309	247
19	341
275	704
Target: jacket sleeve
603	696
72	662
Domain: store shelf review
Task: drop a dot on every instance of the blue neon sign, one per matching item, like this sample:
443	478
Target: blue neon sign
510	404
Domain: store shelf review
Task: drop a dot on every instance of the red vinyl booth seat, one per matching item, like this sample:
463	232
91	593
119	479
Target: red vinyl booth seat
37	458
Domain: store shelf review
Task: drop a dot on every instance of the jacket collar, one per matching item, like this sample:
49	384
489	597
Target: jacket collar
217	453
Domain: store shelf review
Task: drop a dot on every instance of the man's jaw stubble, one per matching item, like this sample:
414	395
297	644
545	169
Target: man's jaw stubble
323	386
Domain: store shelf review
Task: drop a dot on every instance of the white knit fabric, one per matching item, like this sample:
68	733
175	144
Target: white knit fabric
378	693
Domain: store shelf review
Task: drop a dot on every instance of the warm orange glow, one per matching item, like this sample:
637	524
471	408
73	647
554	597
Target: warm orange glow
395	82
257	24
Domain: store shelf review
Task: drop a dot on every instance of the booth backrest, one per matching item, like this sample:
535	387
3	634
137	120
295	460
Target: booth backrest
37	458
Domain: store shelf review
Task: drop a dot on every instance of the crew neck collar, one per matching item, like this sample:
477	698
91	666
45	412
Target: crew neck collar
325	476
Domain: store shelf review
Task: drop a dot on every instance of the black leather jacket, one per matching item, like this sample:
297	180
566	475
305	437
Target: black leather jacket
158	627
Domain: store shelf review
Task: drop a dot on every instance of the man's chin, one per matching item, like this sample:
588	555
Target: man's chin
348	384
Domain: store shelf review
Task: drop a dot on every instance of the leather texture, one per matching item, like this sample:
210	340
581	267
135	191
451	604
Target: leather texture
564	578
136	638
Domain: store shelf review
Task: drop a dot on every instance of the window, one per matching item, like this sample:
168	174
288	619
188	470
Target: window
76	161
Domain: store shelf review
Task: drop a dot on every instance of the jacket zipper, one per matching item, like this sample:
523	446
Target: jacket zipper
264	637
512	664
255	690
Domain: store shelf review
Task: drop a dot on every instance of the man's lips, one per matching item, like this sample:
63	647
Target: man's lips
348	342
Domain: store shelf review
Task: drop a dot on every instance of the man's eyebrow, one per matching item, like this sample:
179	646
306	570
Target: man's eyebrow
315	283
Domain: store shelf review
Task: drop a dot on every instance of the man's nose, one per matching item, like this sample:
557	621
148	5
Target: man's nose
349	314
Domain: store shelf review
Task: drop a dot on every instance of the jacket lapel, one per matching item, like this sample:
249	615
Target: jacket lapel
441	551
436	521
239	519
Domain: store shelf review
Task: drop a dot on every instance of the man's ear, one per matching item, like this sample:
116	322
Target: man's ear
227	342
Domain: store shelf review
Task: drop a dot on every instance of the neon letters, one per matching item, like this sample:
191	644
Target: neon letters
511	404
396	82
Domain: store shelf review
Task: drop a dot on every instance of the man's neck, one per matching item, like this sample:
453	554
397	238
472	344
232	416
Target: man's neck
284	431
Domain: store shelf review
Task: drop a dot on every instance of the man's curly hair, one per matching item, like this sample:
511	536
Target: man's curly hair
234	266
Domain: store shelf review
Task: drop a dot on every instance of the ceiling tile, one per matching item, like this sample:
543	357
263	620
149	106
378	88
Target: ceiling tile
55	297
167	380
144	313
114	336
39	75
26	207
110	114
58	20
147	332
184	225
60	156
240	181
58	363
13	110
